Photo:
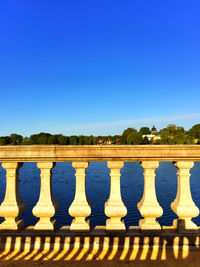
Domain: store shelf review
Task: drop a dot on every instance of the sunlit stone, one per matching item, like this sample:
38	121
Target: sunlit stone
149	206
114	207
80	209
46	206
12	205
183	205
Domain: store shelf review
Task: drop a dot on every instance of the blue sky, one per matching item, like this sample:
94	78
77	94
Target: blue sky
98	67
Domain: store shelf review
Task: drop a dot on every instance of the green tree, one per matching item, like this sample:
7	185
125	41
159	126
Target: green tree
180	138
86	140
26	141
189	140
34	139
4	140
177	136
73	140
43	138
81	140
125	134
134	138
53	139
95	140
144	130
195	131
91	140
172	129
63	140
16	139
145	141
167	139
172	135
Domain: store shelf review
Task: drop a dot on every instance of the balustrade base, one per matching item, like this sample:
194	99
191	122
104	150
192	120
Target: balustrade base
149	224
63	245
80	226
12	225
49	225
115	225
185	226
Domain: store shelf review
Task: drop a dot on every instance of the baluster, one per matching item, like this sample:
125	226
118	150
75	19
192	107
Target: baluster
80	209
12	205
149	206
46	205
114	207
183	204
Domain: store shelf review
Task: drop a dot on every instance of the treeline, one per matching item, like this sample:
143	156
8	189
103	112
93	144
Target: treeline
170	135
55	139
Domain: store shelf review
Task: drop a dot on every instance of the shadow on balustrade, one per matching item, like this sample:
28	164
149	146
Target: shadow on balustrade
88	248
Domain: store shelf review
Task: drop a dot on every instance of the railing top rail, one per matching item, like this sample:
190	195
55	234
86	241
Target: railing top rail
33	153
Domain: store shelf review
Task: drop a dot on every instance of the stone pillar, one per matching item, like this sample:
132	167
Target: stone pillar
114	207
12	205
80	209
183	205
46	205
149	206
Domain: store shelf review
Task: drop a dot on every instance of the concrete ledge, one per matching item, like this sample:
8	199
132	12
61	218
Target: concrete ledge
96	245
99	153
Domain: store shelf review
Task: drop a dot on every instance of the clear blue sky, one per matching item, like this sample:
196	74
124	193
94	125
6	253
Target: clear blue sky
98	67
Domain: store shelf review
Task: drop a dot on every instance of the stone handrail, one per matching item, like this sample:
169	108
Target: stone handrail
182	156
99	153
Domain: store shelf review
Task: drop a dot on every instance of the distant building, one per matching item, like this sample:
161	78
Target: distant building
149	136
153	130
104	142
156	138
108	142
152	137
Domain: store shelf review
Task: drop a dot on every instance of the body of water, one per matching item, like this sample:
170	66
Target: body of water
98	187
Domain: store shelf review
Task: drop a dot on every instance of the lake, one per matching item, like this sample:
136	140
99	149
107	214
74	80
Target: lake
97	188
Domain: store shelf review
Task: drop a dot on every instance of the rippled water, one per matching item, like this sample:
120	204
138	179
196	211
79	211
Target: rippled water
97	187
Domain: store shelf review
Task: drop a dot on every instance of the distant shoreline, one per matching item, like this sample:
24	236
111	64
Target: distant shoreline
171	135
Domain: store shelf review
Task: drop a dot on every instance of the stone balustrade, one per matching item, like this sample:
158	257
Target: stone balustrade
183	157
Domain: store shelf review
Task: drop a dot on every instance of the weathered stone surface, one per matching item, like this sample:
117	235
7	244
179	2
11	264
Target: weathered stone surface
80	209
115	155
46	206
114	207
12	205
149	206
100	153
183	205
